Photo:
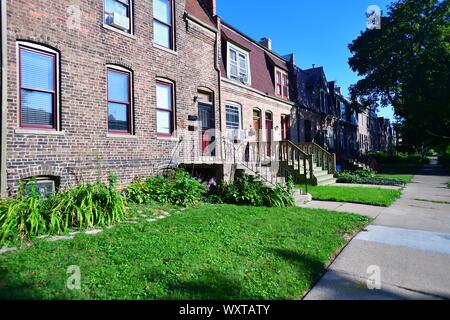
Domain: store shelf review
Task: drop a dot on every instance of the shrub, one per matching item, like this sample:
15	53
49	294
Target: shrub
349	178
31	214
251	190
177	188
383	157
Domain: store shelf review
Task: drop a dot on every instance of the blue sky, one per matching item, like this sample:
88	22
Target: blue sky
316	31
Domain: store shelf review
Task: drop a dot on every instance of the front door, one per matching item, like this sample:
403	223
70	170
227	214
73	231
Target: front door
285	127
207	124
269	133
257	127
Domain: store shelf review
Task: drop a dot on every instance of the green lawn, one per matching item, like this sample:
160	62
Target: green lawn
405	178
364	195
210	252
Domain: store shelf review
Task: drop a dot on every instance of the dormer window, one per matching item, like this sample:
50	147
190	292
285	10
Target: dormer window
238	65
281	83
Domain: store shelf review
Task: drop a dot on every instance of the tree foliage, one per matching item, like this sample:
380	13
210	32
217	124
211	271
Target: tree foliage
406	64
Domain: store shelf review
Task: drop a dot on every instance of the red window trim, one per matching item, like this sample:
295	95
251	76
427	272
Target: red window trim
171	42
284	84
128	103
170	110
53	92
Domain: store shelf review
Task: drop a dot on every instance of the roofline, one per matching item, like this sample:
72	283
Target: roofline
253	40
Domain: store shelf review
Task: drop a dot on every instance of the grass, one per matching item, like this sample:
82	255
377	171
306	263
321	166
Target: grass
209	252
405	178
363	195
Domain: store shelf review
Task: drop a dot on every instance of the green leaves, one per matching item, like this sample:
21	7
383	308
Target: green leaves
251	190
30	214
406	64
177	188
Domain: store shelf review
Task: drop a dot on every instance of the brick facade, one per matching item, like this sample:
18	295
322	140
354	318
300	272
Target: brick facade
82	148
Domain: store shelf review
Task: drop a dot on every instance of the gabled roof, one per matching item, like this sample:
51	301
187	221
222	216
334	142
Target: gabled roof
262	60
314	75
196	9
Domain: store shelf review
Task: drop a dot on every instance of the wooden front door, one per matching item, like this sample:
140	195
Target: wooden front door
285	127
206	123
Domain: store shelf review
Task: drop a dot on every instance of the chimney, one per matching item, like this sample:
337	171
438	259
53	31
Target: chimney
211	7
266	42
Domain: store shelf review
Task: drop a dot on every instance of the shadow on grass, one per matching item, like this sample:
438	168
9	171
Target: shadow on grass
13	289
305	264
210	285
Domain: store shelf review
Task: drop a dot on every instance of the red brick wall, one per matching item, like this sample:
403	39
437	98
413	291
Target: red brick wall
85	148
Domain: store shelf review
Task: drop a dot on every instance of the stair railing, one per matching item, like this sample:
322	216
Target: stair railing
300	161
321	157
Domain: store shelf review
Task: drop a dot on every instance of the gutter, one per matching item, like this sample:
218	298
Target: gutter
4	101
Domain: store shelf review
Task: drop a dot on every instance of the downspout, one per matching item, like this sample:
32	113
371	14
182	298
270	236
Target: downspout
4	101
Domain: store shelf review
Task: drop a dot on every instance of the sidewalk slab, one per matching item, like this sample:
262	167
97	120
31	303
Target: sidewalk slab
362	209
367	186
336	285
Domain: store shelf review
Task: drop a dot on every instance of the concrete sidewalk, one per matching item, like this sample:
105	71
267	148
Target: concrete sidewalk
407	248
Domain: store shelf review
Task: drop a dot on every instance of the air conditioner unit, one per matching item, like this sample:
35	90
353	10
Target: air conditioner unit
236	134
118	21
243	79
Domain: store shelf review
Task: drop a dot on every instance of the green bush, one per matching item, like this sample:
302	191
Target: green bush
177	188
251	190
30	214
444	157
349	178
383	157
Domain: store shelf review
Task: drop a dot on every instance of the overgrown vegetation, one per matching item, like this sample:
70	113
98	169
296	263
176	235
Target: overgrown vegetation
370	177
252	191
207	252
176	187
383	157
31	214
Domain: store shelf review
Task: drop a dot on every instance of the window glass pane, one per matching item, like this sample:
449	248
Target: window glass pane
232	117
117	116
161	34
118	86
37	71
37	108
162	11
243	64
163	96
163	122
118	7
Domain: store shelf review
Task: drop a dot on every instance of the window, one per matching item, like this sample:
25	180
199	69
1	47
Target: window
163	23
282	84
285	127
322	100
233	117
119	101
164	108
238	65
38	89
118	14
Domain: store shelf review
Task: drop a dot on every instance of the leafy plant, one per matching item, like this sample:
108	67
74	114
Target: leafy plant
31	214
251	190
177	188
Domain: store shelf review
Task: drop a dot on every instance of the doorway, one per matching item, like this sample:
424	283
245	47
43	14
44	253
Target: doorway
269	132
207	124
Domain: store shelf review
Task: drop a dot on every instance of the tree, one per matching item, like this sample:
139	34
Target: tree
406	64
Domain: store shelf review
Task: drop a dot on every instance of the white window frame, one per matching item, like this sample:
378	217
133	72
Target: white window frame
131	17
239	108
238	50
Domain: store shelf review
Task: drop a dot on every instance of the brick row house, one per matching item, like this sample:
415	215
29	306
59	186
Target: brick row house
133	87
